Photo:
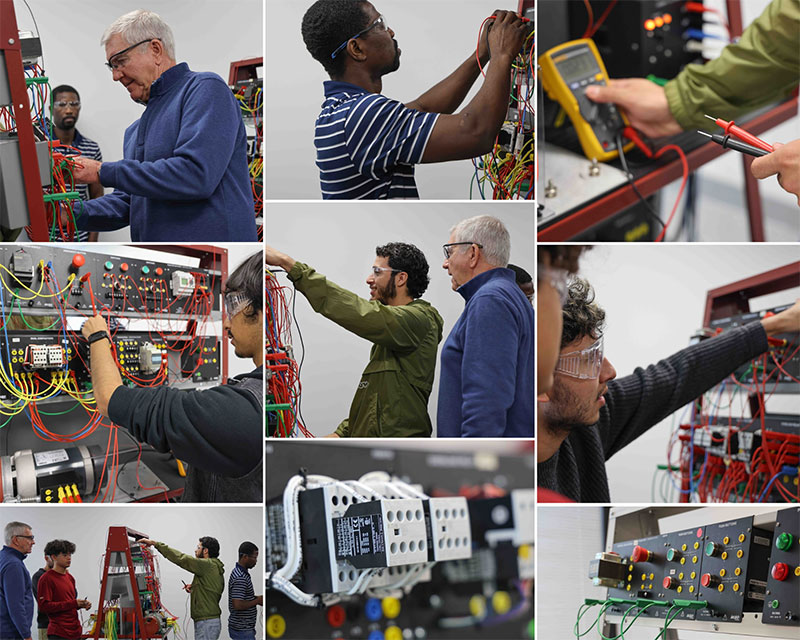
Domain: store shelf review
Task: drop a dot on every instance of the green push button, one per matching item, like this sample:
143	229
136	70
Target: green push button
530	629
775	604
145	269
109	265
784	541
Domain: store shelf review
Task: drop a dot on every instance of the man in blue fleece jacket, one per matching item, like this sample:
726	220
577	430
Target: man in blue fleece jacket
486	385
184	175
16	593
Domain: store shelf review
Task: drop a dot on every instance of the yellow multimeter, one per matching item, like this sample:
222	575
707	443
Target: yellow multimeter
566	71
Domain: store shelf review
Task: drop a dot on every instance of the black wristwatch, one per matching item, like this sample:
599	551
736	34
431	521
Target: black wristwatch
98	335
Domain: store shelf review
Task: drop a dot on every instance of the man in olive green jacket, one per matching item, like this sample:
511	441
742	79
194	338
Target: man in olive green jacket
761	68
206	587
392	396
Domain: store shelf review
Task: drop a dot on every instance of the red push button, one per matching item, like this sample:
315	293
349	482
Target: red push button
780	571
335	616
640	554
78	261
123	266
707	580
159	271
669	583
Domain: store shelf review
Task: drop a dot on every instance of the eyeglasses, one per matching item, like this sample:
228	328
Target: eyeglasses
118	64
376	271
21	536
75	104
584	364
379	24
556	278
446	247
235	302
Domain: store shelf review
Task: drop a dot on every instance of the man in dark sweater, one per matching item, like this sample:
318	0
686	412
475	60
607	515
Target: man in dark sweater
41	618
57	594
218	431
588	415
16	595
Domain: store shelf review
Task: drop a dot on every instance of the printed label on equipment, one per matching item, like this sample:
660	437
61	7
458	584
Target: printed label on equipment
358	536
764	542
44	458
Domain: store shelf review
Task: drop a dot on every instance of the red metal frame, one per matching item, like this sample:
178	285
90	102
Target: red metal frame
242	70
117	542
609	205
12	50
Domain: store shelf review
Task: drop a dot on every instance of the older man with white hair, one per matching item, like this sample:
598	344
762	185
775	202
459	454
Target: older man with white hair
184	175
486	385
16	592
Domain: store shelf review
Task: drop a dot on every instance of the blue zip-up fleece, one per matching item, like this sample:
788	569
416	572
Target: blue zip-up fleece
16	595
486	383
184	177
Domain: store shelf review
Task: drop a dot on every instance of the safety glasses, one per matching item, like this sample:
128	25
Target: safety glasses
118	62
379	24
235	302
584	364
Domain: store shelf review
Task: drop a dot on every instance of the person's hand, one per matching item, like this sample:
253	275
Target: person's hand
260	601
187	588
86	171
506	33
93	325
147	542
276	258
784	161
644	102
787	321
484	54
83	603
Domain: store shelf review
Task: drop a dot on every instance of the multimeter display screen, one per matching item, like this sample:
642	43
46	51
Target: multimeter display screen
577	66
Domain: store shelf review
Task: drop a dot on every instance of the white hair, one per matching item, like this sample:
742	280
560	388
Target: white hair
488	232
141	25
15	529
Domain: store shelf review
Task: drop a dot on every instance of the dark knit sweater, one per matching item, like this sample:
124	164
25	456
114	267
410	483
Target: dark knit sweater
638	402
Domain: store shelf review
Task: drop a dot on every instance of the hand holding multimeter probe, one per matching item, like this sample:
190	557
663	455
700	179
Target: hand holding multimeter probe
567	70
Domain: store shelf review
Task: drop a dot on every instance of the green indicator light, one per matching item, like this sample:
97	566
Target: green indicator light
109	265
145	269
775	604
784	541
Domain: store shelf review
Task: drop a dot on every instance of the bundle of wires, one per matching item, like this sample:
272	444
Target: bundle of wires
252	108
509	169
283	372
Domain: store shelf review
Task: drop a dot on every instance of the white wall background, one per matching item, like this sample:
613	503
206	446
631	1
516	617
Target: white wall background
435	36
654	297
178	526
209	35
339	240
561	576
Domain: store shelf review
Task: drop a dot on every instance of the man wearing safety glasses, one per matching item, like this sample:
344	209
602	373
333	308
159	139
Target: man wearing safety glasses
588	415
218	431
392	395
367	144
184	175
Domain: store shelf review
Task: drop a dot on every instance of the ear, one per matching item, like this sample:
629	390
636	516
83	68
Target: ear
157	48
355	51
401	279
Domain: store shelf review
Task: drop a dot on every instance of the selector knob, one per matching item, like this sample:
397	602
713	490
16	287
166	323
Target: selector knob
713	549
640	554
780	571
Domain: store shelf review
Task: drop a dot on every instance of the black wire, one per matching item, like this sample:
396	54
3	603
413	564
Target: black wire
629	176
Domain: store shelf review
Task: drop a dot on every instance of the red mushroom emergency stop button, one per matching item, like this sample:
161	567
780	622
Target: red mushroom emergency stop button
780	571
640	554
78	260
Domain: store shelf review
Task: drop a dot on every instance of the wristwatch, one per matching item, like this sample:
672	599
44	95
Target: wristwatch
98	335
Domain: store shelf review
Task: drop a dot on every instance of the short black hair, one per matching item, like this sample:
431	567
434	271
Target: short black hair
211	545
248	278
329	23
406	257
247	549
57	547
521	276
64	88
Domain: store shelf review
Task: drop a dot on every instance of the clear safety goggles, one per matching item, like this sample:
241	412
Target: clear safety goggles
235	302
584	364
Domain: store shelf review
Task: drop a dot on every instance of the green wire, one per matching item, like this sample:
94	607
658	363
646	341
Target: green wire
26	322
622	632
60	413
576	629
7	421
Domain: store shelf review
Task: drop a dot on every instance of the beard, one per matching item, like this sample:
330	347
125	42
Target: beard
387	293
395	65
566	411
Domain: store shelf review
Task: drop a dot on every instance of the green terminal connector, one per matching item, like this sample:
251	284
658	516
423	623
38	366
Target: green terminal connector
278	407
659	81
40	80
69	195
618	601
691	604
642	602
589	602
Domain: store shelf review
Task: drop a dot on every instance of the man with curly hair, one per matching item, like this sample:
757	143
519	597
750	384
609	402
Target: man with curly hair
392	396
588	415
58	596
367	144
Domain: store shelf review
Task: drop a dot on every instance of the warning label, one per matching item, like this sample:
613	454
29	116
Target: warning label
358	536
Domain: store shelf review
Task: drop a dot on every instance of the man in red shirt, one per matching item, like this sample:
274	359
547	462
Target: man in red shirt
57	595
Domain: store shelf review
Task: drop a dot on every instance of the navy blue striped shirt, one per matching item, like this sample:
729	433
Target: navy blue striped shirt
240	586
367	144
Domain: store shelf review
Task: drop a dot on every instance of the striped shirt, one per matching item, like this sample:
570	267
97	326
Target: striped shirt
367	144
89	149
240	586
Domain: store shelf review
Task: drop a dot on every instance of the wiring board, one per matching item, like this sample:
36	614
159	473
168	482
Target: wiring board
164	326
449	556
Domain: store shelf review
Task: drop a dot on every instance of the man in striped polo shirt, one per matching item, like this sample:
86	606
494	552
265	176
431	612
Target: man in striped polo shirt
242	600
66	111
367	144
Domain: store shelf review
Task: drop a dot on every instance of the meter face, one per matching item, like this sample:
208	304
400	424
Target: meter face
576	65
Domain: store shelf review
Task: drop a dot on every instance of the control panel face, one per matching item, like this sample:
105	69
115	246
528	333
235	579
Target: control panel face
782	601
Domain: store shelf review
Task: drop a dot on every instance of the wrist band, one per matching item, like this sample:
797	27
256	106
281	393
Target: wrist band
98	335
